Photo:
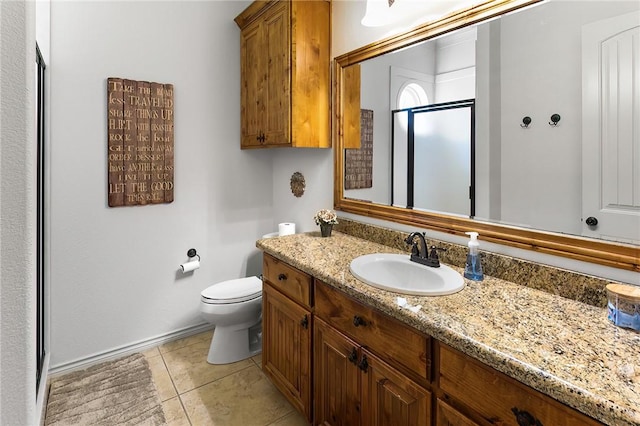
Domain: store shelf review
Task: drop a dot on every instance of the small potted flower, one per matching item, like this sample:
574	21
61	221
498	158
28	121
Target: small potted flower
326	219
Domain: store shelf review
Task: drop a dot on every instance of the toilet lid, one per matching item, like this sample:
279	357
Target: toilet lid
233	291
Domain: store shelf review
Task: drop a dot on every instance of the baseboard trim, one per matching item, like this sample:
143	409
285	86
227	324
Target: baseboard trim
139	346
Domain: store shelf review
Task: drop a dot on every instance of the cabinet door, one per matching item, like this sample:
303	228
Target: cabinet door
335	378
277	99
286	347
253	79
390	398
265	79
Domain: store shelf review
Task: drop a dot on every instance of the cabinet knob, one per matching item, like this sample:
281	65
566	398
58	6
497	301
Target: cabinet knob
358	321
524	418
304	322
282	277
591	221
353	356
364	364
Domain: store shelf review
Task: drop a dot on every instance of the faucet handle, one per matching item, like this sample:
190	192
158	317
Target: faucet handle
433	252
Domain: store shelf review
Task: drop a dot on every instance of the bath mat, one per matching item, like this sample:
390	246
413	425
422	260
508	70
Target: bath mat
119	392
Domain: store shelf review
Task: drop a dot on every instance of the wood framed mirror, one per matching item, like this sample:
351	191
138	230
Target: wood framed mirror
346	126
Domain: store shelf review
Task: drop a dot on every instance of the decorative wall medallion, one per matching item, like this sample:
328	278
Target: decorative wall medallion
297	184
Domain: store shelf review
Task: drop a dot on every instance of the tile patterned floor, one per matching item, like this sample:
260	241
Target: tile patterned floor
195	393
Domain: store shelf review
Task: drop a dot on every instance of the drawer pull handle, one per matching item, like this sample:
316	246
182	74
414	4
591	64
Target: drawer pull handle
364	364
524	418
358	321
305	321
353	356
282	277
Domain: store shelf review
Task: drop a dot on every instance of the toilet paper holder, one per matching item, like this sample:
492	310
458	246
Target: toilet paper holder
191	253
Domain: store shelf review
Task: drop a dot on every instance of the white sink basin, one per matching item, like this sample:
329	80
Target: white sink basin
395	272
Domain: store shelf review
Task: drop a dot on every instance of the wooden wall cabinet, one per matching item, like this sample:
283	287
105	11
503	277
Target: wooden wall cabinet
285	74
286	332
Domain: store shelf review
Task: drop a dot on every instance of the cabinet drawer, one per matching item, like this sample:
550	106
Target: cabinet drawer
446	415
497	397
405	348
290	281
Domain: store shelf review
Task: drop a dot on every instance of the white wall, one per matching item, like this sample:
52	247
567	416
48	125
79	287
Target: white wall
316	165
115	279
17	209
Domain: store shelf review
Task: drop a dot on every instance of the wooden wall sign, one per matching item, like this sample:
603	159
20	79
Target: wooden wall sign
140	148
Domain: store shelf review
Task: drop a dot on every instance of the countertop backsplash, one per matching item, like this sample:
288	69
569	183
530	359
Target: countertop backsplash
572	285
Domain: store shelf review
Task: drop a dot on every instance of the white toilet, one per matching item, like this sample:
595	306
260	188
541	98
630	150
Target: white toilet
235	307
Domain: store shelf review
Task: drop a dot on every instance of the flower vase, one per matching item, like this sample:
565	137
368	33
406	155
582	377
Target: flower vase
325	229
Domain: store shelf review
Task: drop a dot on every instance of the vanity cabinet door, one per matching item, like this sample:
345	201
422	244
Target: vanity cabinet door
337	389
404	348
390	398
354	387
286	347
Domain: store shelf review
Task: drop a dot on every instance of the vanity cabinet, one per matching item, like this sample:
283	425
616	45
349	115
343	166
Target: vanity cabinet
369	369
488	396
342	362
286	331
285	80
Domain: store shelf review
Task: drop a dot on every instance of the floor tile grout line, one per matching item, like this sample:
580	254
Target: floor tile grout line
280	418
175	388
215	380
184	409
184	346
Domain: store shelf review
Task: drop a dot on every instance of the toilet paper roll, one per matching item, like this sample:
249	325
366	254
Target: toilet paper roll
286	229
190	266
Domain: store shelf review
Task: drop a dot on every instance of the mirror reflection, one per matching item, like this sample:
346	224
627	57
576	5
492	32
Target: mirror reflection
576	176
432	148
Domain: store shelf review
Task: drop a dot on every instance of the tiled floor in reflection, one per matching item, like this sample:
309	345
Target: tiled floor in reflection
196	393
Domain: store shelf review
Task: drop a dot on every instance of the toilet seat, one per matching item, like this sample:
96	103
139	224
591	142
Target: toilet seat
233	291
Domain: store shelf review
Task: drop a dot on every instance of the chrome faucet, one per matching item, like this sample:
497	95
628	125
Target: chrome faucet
419	254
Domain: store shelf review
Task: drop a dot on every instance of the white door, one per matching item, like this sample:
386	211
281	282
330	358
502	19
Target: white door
611	129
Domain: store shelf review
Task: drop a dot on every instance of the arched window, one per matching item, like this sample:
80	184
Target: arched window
412	95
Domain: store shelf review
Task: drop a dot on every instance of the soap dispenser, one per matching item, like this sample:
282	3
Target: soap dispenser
473	267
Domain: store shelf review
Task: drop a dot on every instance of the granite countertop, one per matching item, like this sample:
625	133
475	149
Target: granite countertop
561	347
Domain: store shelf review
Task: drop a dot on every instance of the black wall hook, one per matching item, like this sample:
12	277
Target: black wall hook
193	253
554	120
525	122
